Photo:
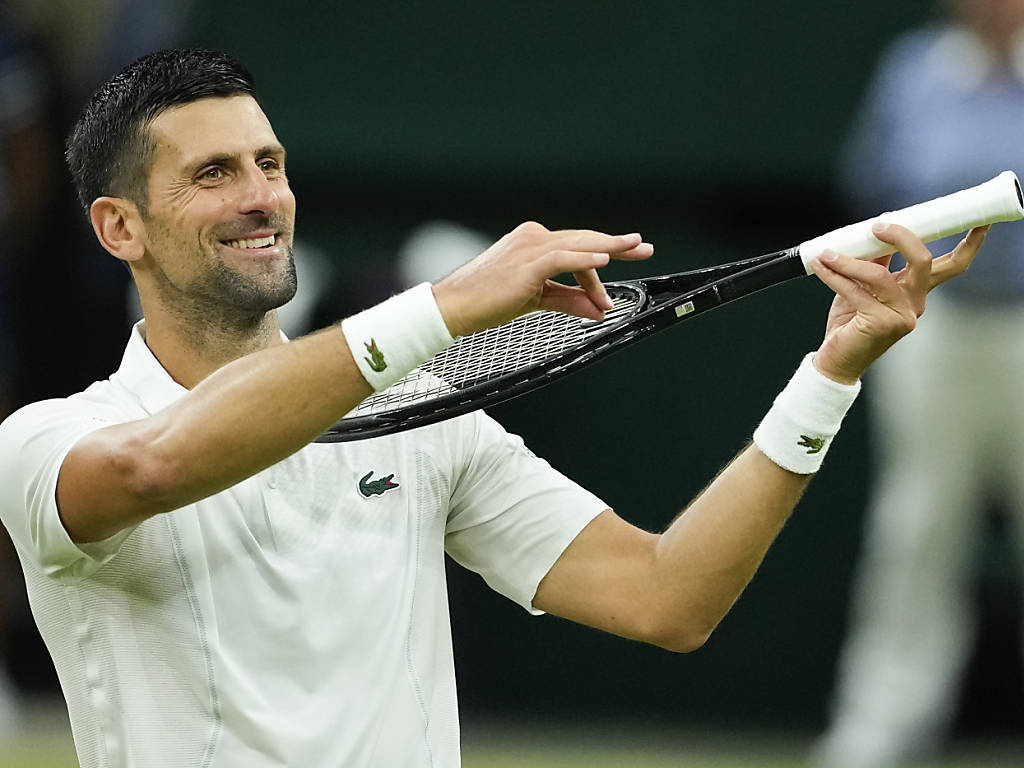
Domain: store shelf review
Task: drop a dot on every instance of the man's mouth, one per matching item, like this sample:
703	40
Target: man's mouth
257	242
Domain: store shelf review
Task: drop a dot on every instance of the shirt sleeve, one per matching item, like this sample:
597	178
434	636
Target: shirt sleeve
512	515
33	444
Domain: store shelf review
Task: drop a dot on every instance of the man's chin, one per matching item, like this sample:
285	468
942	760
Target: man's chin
265	298
254	295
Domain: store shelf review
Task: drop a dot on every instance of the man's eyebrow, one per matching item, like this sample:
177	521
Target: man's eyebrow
225	158
222	158
271	149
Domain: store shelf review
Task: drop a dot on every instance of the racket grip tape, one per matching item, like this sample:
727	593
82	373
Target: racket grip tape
798	429
999	199
389	340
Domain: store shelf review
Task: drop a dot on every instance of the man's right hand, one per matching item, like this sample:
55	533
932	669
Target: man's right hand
513	277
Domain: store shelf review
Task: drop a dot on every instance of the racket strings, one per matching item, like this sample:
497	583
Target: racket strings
495	352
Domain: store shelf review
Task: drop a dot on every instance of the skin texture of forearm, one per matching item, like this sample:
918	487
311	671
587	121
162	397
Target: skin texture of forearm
245	417
710	552
672	590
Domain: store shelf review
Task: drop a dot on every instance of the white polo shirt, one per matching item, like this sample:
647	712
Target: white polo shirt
292	620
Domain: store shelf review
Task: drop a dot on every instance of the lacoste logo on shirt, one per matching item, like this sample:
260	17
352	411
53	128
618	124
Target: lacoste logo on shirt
369	487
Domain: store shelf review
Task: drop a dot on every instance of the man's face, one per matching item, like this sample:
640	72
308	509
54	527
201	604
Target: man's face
221	216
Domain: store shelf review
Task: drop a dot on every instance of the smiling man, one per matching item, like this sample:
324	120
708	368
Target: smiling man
208	272
216	589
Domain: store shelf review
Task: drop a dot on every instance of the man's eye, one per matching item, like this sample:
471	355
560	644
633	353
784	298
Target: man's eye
213	174
270	165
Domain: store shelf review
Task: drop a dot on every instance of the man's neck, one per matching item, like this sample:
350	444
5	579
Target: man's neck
190	352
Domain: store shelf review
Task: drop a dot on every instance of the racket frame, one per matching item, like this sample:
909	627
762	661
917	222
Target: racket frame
661	302
665	300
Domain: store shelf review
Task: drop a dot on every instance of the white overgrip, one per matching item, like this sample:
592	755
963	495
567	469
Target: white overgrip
999	199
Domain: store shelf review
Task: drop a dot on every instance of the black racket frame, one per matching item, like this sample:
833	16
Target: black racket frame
661	302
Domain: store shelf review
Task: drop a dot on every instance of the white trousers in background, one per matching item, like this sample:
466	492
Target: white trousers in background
947	405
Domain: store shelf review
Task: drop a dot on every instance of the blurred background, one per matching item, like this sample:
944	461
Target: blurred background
419	132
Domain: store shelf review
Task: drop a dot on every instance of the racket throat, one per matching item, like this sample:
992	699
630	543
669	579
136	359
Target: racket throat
785	267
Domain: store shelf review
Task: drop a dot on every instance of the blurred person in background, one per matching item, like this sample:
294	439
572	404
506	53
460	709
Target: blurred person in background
945	111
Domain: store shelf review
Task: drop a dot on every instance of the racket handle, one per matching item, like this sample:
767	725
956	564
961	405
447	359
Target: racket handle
999	199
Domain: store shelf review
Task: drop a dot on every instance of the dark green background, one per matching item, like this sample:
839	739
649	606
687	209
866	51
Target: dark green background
711	127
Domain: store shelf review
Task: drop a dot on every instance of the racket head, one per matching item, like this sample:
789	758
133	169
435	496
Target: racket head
491	366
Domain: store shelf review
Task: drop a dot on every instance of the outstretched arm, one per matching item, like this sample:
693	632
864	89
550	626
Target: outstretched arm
673	589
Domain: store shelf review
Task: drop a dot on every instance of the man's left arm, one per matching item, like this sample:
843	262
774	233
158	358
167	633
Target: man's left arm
674	588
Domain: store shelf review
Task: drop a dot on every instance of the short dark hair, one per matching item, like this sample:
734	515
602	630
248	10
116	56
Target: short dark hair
109	149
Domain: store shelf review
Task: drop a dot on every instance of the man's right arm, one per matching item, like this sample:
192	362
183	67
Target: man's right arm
245	417
260	409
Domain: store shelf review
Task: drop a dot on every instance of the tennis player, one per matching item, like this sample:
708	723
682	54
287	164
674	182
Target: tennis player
216	590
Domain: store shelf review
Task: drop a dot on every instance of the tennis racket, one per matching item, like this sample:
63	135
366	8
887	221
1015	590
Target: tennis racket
501	363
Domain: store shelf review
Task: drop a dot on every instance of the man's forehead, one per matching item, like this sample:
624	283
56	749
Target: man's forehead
226	125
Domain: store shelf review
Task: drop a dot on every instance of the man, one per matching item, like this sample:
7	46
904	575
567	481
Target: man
215	589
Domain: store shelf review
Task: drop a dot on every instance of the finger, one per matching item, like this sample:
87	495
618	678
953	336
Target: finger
959	259
589	240
558	262
845	287
591	283
570	299
642	251
916	277
872	277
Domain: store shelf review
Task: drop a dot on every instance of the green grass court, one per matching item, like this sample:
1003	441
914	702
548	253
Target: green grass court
46	743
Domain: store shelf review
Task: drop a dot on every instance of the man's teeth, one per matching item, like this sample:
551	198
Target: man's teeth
260	242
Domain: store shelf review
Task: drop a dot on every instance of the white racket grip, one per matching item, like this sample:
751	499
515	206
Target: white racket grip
998	199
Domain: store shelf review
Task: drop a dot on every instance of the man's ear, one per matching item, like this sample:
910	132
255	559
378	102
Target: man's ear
118	227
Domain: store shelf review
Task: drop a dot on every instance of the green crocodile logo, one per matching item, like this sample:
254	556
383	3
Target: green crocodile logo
369	487
812	444
376	359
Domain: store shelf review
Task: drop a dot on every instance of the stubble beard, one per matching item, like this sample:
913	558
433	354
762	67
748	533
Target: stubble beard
247	294
224	298
233	301
255	293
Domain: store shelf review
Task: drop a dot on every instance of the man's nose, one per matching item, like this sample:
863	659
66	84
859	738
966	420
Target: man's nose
259	195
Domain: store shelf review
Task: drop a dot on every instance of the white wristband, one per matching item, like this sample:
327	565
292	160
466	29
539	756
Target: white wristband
798	429
392	338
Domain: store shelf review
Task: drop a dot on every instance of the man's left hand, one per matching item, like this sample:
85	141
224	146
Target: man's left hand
874	308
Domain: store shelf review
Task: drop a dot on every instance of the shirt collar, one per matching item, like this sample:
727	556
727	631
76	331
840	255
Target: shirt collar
141	373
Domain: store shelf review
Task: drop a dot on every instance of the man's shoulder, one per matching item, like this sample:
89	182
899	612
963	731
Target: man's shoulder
100	402
467	431
473	439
